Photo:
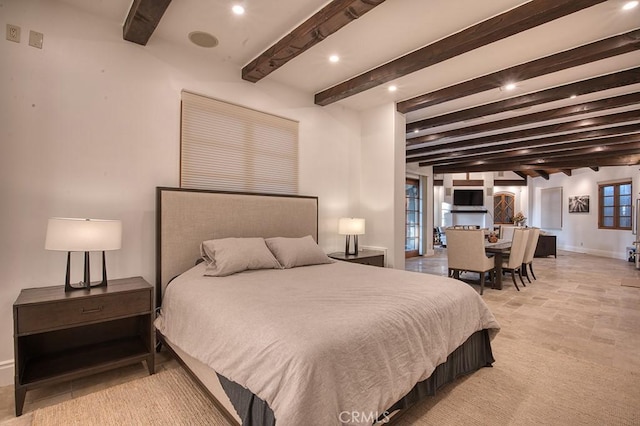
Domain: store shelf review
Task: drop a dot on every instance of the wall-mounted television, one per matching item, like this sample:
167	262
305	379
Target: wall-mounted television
468	197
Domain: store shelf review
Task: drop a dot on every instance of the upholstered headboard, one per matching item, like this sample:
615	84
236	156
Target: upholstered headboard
186	217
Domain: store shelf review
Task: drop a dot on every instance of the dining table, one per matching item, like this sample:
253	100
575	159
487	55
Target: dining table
498	249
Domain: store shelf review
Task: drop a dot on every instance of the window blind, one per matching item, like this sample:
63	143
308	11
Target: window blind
230	147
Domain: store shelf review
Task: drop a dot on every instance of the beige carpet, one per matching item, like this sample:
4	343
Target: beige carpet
166	398
528	385
630	282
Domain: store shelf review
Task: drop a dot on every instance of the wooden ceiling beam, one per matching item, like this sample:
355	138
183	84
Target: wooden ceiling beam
591	52
628	147
570	126
615	160
592	85
514	21
489	163
537	117
142	20
542	174
322	24
595	160
527	150
522	175
595	169
566	172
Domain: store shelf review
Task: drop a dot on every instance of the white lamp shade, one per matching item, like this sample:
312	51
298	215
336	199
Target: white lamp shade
72	234
351	226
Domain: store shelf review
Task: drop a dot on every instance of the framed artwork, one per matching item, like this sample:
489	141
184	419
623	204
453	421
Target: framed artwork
579	204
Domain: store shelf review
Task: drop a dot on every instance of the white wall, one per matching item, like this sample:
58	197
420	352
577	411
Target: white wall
522	202
580	231
90	125
382	181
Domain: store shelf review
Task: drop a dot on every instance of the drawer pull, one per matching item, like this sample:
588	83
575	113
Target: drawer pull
91	311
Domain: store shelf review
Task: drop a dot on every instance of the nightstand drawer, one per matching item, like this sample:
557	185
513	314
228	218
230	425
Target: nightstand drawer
364	257
47	316
373	261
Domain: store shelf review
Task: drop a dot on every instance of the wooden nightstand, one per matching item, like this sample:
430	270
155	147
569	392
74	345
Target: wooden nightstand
366	257
61	336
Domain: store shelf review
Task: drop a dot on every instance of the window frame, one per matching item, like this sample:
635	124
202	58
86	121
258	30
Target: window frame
616	205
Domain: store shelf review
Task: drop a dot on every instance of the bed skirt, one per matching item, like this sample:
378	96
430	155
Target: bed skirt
472	355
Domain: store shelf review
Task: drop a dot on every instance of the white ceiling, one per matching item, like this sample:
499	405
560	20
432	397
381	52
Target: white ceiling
383	34
389	31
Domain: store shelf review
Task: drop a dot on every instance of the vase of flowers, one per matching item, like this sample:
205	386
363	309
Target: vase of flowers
519	219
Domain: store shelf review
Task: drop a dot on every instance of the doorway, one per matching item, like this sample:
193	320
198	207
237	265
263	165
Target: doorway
412	218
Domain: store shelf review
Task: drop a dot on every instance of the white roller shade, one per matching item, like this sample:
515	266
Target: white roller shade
230	147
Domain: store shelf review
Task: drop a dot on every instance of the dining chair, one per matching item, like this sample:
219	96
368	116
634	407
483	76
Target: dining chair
438	234
515	260
465	252
532	242
506	232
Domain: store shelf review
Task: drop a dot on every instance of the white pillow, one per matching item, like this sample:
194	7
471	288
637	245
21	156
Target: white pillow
227	256
292	252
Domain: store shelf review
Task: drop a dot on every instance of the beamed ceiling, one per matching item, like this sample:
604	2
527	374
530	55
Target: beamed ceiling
575	66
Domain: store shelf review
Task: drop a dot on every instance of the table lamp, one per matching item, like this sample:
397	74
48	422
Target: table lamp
351	226
84	235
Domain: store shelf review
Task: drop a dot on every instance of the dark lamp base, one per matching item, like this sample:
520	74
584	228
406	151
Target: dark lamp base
347	244
85	284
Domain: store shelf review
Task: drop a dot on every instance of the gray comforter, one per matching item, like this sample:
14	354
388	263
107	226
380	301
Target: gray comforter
319	343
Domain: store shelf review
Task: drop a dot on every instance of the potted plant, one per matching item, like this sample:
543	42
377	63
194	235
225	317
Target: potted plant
519	219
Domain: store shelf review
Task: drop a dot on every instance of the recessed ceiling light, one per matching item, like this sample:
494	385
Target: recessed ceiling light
510	86
416	131
629	5
573	96
392	88
334	58
238	9
202	39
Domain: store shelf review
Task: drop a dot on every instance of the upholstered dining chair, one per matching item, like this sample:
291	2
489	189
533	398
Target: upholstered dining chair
515	260
465	252
532	242
506	232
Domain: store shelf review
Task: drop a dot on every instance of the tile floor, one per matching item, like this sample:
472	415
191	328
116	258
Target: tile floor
576	306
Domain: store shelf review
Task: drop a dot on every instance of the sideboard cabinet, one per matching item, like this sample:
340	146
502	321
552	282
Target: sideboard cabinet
546	246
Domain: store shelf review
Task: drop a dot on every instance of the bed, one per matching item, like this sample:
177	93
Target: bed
326	342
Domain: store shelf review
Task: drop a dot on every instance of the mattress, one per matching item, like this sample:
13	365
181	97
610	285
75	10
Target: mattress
317	341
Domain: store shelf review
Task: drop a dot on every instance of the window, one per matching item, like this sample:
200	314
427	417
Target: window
503	209
412	208
614	205
230	147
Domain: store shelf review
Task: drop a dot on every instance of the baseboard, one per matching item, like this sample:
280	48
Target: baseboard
6	372
595	252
